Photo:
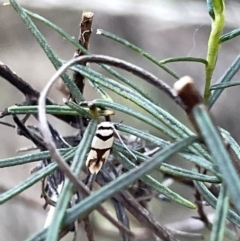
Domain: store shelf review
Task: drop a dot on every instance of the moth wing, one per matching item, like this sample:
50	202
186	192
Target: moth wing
106	155
94	163
92	156
96	167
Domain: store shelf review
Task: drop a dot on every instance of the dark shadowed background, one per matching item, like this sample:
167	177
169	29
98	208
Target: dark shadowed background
162	28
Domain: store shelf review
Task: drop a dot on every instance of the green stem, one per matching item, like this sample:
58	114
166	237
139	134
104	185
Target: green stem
214	44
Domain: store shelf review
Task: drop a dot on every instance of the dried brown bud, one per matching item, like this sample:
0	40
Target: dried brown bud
188	93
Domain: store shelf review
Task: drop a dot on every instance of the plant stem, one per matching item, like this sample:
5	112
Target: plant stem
214	44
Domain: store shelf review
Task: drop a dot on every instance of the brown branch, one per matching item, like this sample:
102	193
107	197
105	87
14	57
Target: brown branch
145	217
30	93
88	229
202	215
83	39
23	130
17	82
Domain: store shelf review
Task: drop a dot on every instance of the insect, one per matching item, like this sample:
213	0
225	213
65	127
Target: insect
101	146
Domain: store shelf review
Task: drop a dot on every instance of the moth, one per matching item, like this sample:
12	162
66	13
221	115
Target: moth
101	146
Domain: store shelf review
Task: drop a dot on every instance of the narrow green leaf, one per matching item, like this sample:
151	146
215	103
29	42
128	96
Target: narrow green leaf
210	9
35	177
135	87
162	143
193	175
228	36
50	109
136	49
225	85
40	236
66	193
227	76
214	142
142	134
20	160
72	40
183	59
196	160
71	109
47	49
155	184
234	145
220	218
64	34
201	161
79	109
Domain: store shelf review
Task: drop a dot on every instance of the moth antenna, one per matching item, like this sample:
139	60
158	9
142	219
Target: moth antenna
119	137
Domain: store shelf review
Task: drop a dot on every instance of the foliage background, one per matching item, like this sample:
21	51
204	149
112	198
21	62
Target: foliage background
175	28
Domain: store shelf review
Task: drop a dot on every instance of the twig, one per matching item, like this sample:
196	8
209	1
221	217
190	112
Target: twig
31	94
83	39
25	132
145	217
7	124
202	215
121	216
17	82
88	228
118	206
185	234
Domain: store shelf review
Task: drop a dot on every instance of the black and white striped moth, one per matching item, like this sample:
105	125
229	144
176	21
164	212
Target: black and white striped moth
101	146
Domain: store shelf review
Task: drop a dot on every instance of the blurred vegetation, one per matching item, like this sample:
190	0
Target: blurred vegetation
206	160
